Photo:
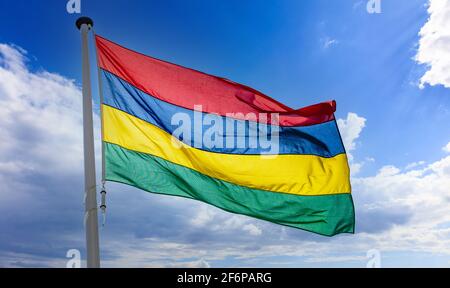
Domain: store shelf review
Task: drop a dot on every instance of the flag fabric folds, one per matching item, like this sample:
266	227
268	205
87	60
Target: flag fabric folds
172	130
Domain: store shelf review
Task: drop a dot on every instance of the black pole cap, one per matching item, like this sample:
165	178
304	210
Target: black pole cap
84	20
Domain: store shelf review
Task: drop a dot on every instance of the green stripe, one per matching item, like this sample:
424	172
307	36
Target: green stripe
326	215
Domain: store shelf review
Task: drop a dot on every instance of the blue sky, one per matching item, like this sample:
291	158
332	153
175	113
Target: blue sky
298	52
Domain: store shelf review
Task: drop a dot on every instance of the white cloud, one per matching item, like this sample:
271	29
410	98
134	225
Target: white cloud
441	168
355	168
414	165
252	229
350	130
40	130
41	127
336	259
424	192
328	42
446	148
434	45
204	216
209	217
21	260
202	263
41	116
388	171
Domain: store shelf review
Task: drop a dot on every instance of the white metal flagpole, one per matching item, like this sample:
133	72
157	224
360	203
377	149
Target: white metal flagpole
92	238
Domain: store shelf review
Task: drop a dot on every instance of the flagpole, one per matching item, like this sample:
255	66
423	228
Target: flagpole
84	24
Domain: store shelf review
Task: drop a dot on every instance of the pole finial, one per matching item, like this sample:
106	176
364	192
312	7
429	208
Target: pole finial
84	20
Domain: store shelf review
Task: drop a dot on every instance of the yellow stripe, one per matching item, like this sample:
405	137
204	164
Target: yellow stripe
294	174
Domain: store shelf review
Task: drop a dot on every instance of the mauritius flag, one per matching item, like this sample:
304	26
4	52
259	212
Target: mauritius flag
172	130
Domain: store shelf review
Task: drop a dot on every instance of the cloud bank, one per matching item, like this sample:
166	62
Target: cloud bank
42	209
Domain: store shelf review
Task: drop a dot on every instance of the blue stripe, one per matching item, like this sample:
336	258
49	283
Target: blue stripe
321	139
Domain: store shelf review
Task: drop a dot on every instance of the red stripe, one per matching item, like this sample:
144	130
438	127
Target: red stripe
186	87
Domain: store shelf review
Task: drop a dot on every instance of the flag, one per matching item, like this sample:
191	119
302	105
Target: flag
172	130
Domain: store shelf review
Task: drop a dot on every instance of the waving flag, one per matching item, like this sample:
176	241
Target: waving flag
176	131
